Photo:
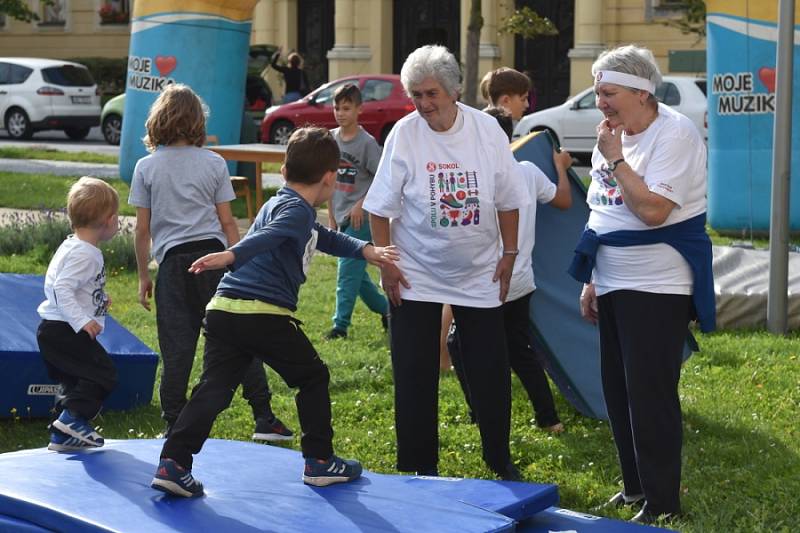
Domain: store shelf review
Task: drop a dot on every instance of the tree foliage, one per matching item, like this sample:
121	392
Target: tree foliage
528	24
693	20
20	10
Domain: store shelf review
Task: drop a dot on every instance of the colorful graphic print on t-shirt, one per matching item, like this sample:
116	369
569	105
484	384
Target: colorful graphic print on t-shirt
454	196
99	296
606	191
346	176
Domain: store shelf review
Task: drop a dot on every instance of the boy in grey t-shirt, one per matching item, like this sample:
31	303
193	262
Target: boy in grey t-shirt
360	154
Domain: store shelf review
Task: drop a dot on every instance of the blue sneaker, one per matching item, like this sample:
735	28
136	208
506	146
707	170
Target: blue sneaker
335	470
173	479
61	442
79	428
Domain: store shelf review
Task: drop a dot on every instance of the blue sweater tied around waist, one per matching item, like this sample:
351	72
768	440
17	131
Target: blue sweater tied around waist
689	238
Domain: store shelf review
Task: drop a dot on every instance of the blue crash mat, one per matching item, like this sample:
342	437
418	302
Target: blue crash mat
24	384
249	487
555	520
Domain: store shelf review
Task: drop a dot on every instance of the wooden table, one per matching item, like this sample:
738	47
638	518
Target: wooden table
252	153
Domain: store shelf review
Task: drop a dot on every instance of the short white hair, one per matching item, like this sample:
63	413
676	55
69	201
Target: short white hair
629	59
432	61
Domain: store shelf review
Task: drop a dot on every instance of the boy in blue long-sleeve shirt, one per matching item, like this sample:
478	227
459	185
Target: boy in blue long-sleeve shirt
251	316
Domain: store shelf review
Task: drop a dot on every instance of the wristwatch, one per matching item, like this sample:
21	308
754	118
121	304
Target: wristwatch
614	164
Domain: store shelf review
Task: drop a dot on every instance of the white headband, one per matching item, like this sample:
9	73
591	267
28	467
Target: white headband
627	80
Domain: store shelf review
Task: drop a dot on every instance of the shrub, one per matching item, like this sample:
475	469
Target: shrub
108	72
41	236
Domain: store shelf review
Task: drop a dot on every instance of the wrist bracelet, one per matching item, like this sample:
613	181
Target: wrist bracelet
510	252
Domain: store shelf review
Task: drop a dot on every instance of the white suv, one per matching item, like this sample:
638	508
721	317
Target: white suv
47	94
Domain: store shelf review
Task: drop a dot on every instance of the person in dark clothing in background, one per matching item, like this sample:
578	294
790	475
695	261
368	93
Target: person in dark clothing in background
293	76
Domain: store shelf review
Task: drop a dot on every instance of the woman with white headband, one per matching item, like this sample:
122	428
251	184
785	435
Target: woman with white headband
645	259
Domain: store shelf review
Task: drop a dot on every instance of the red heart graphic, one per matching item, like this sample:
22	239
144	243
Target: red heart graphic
166	64
767	77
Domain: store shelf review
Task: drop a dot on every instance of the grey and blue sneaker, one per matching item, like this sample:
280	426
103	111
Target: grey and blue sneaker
334	470
61	442
173	479
272	430
79	428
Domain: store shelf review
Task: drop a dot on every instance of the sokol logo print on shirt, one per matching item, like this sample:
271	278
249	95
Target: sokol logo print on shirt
454	196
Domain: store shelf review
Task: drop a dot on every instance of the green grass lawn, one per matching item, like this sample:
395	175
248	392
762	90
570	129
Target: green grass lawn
13	152
741	398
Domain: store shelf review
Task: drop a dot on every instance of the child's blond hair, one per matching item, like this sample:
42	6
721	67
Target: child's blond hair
90	201
177	114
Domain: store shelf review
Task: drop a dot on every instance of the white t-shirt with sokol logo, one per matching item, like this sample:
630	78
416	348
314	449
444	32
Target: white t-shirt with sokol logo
442	192
670	155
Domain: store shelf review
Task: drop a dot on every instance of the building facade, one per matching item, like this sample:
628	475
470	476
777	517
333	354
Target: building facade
343	37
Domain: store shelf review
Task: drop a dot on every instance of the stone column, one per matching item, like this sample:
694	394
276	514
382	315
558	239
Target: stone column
589	42
350	54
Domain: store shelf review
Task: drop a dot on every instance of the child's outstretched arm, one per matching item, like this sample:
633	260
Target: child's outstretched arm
213	261
343	245
141	245
563	197
380	256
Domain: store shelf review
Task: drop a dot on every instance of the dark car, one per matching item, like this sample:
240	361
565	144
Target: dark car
384	99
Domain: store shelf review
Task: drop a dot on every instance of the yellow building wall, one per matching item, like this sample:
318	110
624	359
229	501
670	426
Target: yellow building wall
82	36
627	25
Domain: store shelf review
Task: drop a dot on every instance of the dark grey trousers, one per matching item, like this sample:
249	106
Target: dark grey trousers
181	300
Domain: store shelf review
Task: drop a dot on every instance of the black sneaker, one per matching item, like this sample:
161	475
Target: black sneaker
271	430
648	517
620	499
509	473
334	470
173	479
335	334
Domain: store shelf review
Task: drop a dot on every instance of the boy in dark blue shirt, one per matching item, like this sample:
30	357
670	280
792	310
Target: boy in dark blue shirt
251	316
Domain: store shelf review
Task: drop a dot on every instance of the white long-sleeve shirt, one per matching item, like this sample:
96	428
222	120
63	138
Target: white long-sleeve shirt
75	285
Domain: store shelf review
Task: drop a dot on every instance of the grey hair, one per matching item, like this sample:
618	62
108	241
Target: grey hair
629	59
432	61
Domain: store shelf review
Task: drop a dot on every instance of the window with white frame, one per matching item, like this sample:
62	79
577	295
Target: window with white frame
54	13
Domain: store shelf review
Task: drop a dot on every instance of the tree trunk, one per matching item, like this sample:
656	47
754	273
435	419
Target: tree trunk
470	96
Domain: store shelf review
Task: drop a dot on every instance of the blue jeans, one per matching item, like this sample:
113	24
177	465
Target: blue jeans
353	280
291	96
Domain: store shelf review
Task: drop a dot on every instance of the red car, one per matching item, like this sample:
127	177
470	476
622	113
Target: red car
384	103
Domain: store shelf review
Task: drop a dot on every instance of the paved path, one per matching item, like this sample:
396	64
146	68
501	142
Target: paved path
98	170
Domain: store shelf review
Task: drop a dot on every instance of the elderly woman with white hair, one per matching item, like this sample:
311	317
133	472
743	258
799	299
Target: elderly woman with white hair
447	195
646	260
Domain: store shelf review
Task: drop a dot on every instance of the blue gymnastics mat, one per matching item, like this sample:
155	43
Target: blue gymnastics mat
24	384
249	487
554	520
568	345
